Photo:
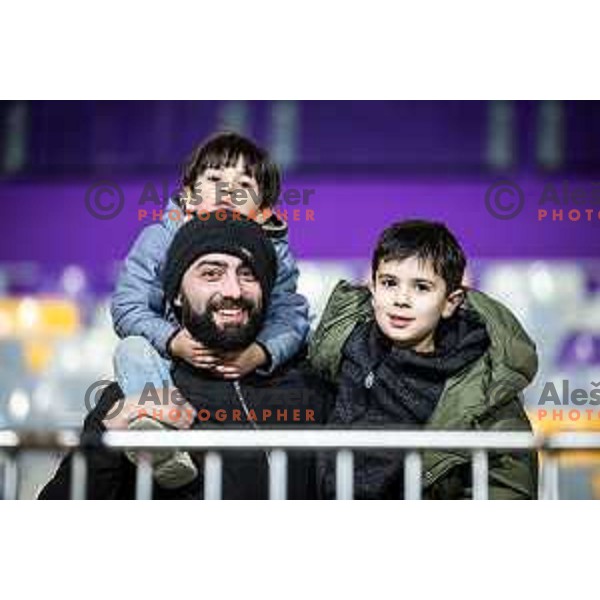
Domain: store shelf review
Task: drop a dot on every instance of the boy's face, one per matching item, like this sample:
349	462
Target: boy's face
225	187
409	299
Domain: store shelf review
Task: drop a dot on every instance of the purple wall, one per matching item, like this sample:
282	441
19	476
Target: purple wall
370	163
50	224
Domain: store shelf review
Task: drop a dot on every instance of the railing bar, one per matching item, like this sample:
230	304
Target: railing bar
412	475
323	440
480	475
316	440
9	439
344	475
278	475
11	481
78	476
549	477
213	476
143	482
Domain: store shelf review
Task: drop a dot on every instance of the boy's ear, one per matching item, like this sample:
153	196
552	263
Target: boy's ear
177	300
453	301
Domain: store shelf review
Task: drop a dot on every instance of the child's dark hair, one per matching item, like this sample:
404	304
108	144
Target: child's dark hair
224	150
428	241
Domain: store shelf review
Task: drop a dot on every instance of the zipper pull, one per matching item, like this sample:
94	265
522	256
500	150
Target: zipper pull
369	380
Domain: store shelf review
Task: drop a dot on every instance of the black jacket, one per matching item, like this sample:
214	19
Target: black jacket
110	475
384	386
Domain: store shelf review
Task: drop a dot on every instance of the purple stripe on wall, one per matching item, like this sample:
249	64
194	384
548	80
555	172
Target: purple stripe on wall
48	222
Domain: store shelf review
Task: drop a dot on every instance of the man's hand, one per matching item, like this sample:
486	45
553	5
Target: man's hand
184	346
179	414
237	364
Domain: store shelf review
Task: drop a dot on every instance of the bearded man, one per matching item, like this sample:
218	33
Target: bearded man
218	278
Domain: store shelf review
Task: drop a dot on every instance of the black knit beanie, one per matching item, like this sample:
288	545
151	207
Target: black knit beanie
225	232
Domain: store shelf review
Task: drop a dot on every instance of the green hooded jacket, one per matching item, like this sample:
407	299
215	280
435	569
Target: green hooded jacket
483	396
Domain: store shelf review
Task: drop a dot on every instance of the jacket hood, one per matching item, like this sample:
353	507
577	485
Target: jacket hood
512	352
510	360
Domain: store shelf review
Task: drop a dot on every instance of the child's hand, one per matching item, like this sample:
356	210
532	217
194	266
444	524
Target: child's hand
234	365
184	346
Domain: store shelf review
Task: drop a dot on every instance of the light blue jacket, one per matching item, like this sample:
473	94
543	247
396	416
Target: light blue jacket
138	306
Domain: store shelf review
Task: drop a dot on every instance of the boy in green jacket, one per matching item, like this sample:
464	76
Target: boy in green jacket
418	350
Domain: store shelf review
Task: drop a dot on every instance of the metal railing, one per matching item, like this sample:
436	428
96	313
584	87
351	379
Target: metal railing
278	442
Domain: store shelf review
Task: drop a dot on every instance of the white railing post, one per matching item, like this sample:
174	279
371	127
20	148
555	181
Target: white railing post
549	477
143	481
344	475
480	475
278	475
213	476
412	475
11	477
78	476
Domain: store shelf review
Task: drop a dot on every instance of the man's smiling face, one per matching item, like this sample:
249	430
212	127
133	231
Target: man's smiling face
221	302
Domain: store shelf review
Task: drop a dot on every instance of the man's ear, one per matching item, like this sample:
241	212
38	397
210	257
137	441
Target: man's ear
453	301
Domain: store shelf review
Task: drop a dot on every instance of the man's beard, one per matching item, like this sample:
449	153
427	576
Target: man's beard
229	337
